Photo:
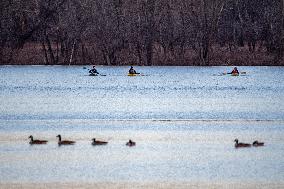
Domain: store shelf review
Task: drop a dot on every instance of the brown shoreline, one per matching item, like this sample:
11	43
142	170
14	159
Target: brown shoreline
31	54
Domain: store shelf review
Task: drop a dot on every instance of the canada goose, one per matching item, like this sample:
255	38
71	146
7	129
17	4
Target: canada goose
97	142
64	142
256	143
37	141
237	144
130	143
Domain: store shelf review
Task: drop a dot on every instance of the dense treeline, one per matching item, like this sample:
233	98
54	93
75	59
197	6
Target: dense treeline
142	32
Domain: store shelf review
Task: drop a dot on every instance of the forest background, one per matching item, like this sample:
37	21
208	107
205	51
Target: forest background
142	32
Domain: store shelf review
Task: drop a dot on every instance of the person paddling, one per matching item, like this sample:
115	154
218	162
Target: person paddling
94	70
234	71
132	71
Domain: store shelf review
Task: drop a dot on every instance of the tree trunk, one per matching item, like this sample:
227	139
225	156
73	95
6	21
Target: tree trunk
72	52
138	50
51	55
83	54
149	53
44	52
281	50
57	47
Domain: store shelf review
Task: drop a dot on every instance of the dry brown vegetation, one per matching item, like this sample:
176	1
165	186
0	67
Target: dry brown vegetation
31	54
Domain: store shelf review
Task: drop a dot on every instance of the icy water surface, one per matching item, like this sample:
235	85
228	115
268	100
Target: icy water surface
184	120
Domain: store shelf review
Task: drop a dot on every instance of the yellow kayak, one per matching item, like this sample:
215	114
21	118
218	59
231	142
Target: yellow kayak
132	74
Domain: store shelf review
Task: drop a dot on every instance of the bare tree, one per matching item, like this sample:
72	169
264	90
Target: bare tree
144	32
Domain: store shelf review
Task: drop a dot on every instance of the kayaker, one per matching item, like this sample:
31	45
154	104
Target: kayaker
94	70
131	143
131	70
235	71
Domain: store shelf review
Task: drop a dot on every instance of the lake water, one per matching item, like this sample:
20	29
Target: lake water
184	120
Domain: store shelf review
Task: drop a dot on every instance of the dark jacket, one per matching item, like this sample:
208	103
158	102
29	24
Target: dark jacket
132	71
93	71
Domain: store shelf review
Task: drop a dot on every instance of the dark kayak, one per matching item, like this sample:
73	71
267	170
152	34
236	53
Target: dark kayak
95	74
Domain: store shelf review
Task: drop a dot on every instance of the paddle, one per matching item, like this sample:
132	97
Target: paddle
141	74
97	75
225	73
